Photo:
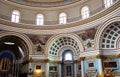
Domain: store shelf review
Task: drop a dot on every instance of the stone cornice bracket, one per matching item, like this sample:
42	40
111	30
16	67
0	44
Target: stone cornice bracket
82	58
99	56
118	55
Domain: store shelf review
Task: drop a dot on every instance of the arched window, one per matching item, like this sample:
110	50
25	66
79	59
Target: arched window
62	18
108	3
15	16
39	19
85	12
68	56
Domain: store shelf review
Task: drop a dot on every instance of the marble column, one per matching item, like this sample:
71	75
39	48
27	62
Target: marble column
59	69
30	67
47	68
100	68
75	68
82	66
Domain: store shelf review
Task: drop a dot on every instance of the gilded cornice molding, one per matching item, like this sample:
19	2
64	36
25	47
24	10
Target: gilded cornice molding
99	56
31	60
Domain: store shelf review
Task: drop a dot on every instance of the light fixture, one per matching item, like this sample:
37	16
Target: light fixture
9	43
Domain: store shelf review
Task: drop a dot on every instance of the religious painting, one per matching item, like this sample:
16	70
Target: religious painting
5	63
38	67
39	39
110	64
68	70
39	42
91	64
53	68
87	34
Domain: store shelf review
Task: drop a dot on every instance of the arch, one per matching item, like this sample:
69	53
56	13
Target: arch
21	36
66	48
101	29
118	43
59	36
7	51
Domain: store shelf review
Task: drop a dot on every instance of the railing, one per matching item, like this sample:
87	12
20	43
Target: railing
2	16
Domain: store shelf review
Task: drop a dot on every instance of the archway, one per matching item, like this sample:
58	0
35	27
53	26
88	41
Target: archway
55	48
67	64
110	27
14	54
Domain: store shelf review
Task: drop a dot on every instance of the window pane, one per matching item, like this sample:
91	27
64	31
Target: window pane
15	16
68	56
40	19
108	3
85	12
62	18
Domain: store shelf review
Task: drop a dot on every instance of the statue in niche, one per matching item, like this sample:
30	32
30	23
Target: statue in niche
89	44
39	48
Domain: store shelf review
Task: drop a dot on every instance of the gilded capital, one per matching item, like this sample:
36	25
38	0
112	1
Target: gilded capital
82	58
118	55
99	56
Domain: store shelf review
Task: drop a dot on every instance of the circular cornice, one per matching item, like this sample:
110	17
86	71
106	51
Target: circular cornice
42	7
91	22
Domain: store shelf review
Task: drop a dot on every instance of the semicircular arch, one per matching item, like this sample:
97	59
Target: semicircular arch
106	29
25	38
56	44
